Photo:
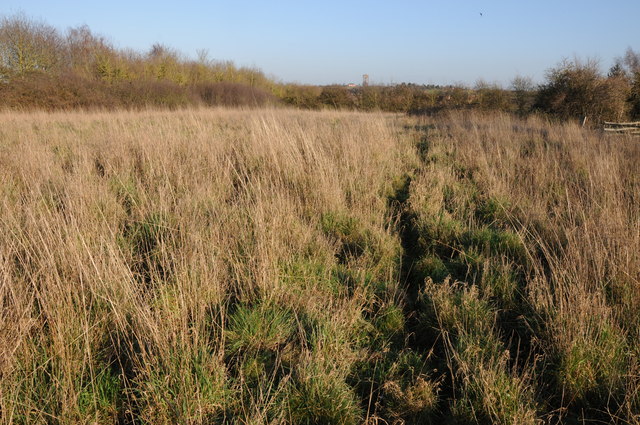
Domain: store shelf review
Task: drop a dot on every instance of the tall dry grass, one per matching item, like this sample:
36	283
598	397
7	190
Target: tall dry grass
567	198
271	266
180	267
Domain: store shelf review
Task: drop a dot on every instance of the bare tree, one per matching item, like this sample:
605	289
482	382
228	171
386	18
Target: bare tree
523	91
27	45
84	48
632	60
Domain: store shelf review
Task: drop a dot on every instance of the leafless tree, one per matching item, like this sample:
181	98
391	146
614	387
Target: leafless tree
27	45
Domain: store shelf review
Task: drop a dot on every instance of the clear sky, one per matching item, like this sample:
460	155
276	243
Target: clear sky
329	41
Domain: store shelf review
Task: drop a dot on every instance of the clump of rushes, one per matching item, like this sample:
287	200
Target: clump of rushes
319	394
256	334
147	240
592	364
490	389
348	232
184	384
100	396
408	392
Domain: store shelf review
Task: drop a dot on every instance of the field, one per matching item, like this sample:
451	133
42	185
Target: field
212	266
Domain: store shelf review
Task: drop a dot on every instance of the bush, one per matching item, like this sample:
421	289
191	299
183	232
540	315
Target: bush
634	99
578	89
69	90
43	69
305	97
337	97
491	97
232	94
45	91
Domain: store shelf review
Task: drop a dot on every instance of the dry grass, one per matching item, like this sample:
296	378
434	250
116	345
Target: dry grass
132	242
571	197
224	266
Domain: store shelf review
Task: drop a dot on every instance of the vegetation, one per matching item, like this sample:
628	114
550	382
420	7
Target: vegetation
42	68
473	260
579	88
219	266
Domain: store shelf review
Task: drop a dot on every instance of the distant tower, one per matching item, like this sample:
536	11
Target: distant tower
365	80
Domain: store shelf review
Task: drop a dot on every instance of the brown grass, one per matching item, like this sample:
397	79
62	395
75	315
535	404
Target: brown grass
571	196
128	237
215	266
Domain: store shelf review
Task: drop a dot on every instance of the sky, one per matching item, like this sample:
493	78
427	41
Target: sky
330	41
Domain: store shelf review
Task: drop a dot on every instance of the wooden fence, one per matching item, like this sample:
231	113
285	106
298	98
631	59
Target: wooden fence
622	127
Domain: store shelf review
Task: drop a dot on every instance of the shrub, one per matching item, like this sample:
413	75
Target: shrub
578	89
524	94
232	94
305	97
634	97
398	98
337	97
143	93
491	97
50	91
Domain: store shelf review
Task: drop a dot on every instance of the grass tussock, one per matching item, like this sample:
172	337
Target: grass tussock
223	266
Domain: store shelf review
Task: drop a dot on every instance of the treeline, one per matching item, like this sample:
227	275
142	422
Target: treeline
403	97
573	89
40	67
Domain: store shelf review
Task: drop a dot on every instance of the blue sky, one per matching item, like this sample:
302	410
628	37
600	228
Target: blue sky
323	42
